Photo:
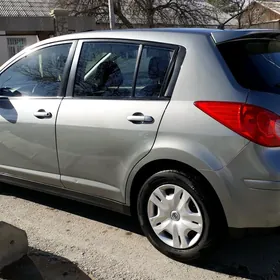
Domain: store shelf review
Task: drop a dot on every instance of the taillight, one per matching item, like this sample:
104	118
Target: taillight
252	122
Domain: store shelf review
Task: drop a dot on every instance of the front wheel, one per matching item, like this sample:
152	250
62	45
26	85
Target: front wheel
178	216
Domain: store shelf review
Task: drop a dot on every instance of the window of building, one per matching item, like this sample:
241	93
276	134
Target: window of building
15	45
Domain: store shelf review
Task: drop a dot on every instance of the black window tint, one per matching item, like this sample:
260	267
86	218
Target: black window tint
106	70
152	71
255	64
37	74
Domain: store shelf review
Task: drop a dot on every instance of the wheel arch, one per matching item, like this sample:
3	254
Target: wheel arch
157	165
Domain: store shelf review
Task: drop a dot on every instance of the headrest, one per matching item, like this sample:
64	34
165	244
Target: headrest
108	74
157	68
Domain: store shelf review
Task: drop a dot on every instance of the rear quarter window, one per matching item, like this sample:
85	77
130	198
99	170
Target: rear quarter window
255	63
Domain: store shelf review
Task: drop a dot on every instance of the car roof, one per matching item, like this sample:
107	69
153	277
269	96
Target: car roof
140	34
152	33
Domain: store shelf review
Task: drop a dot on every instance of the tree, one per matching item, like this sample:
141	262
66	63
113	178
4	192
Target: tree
94	8
149	13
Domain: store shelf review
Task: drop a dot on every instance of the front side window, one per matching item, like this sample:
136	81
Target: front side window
106	70
37	74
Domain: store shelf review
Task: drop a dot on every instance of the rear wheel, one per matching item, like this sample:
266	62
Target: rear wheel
178	216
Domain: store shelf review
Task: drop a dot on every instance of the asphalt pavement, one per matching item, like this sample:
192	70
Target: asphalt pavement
72	240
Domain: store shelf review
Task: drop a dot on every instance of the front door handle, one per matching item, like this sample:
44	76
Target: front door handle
42	114
139	118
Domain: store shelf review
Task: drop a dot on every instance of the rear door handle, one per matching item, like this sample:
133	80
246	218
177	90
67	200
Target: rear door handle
139	118
42	114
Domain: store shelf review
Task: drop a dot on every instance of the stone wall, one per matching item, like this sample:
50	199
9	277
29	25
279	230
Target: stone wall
61	25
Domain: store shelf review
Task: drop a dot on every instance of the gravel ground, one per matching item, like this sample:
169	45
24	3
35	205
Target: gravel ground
71	240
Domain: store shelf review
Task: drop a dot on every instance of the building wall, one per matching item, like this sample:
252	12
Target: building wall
79	24
26	24
44	24
267	25
257	14
4	53
35	28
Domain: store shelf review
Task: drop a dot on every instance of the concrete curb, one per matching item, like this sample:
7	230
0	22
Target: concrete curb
13	244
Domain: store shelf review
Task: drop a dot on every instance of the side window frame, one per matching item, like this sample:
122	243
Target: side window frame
169	80
163	91
67	67
74	68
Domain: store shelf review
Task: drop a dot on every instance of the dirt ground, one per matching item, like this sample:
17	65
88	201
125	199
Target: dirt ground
41	265
70	240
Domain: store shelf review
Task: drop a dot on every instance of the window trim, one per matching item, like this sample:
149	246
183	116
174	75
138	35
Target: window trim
168	73
136	70
66	71
172	71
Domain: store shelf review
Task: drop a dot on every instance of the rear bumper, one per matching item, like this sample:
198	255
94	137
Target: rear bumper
258	206
249	188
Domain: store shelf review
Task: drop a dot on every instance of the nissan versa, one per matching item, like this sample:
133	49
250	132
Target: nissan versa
180	127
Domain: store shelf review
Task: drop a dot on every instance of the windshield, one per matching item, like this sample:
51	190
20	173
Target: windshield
255	63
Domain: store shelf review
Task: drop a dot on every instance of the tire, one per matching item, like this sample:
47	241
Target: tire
208	226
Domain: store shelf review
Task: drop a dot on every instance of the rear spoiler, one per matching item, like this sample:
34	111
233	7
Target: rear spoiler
230	35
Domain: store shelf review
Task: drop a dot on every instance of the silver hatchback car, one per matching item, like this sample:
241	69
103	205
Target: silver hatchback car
178	126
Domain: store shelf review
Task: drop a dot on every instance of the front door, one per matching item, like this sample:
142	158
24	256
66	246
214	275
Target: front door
111	120
30	95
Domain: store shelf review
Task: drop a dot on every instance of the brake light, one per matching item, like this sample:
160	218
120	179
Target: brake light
252	122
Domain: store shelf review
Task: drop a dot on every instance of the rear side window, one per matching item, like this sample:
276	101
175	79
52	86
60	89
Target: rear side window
119	70
152	71
254	63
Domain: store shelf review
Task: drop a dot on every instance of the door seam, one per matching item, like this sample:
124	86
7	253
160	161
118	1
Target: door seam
131	170
56	145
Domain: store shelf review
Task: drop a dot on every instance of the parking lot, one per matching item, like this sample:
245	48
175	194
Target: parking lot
71	240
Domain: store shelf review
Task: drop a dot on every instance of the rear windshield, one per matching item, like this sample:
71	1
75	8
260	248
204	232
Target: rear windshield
255	63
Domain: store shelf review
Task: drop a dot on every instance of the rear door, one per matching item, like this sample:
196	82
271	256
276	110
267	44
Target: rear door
110	118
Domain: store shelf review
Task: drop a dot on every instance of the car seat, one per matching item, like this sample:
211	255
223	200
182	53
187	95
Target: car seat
156	71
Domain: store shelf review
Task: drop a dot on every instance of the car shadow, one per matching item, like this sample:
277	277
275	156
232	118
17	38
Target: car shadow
254	257
74	207
39	265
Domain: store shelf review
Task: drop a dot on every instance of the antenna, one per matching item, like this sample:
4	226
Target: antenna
222	25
